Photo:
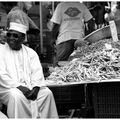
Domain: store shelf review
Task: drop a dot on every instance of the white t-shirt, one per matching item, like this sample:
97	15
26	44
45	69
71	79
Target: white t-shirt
70	16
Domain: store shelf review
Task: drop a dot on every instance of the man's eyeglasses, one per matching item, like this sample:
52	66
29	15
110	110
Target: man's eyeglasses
15	35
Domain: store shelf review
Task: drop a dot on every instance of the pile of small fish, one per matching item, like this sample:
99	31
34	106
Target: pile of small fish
96	62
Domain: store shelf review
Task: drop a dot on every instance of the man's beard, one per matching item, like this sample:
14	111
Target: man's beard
14	45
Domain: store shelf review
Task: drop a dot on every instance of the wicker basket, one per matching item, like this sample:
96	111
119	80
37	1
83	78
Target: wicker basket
100	34
106	100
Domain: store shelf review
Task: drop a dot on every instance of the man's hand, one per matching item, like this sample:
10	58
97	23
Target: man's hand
80	43
24	90
33	94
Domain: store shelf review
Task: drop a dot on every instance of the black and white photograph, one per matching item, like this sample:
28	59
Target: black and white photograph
59	59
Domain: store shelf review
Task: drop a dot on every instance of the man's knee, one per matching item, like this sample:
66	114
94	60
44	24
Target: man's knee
49	92
46	92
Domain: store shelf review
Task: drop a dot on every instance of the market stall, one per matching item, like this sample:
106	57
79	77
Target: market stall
96	66
90	79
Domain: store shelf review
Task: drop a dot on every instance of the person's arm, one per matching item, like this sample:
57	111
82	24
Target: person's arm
37	76
24	90
6	81
56	20
33	29
91	25
88	18
55	32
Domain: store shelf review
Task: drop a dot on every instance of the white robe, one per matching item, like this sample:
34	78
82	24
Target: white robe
2	115
23	68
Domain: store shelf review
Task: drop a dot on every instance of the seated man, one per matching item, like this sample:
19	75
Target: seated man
22	86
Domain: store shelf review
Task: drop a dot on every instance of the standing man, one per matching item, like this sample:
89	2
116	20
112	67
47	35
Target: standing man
68	22
22	86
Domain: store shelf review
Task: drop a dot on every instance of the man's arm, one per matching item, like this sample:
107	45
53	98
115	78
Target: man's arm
56	20
90	26
29	94
55	32
24	90
89	20
37	76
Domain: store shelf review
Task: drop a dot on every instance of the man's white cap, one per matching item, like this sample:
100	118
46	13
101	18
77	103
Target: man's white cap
18	27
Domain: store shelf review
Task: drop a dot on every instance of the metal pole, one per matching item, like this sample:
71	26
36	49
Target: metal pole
53	7
41	28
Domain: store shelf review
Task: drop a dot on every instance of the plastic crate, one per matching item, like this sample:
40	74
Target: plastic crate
106	100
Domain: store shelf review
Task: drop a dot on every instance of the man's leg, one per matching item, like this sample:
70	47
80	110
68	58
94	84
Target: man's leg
64	50
46	104
17	105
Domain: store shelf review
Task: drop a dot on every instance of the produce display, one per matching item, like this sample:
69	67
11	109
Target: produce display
96	62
